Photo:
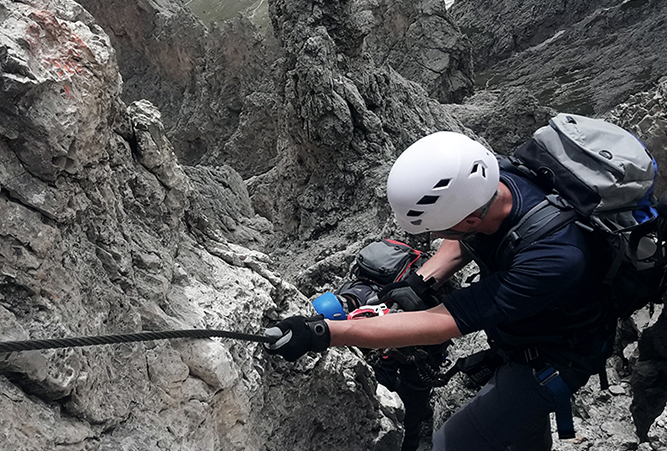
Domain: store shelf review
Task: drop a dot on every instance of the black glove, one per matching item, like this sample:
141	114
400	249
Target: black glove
297	335
411	294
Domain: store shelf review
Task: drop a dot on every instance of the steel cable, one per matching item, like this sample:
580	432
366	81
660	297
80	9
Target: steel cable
31	345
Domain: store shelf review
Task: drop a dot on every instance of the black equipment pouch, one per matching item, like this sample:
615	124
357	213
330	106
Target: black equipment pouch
480	366
387	261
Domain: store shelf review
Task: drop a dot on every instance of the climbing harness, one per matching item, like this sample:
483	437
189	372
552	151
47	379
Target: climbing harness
31	345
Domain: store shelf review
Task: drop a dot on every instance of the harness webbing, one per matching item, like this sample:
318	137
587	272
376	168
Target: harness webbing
551	379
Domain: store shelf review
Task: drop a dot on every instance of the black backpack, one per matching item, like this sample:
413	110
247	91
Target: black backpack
377	265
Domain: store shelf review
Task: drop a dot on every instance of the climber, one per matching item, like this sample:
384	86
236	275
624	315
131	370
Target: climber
542	314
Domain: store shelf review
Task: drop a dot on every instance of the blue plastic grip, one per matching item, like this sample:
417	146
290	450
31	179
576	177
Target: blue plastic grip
329	306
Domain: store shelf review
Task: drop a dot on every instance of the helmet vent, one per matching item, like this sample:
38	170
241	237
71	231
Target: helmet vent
444	183
428	200
416	222
478	168
415	213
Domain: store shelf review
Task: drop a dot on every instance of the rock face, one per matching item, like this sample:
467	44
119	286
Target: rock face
343	120
505	118
213	87
577	56
518	26
644	114
245	175
322	107
420	41
218	87
98	236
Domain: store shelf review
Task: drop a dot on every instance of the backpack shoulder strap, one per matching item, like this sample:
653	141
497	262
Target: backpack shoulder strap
552	214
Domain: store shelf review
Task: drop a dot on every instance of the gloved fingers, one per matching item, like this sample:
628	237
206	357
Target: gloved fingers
382	295
418	284
406	298
286	333
297	335
396	308
281	337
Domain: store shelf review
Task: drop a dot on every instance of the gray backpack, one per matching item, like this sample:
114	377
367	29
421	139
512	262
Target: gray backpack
601	177
604	172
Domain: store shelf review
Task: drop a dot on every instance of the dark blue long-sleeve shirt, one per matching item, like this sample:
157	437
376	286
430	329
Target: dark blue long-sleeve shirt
550	289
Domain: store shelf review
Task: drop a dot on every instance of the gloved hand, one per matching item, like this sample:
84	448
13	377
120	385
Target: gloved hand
297	335
411	294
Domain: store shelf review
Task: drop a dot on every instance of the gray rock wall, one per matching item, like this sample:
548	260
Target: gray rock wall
644	114
515	25
102	231
577	56
421	42
266	109
343	120
211	85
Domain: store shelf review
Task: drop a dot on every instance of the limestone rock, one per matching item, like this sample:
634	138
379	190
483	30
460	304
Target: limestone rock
344	119
222	210
505	118
422	43
267	109
104	230
575	56
215	88
517	26
96	238
648	377
644	114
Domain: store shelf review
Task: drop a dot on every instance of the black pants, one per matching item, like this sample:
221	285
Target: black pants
415	394
511	412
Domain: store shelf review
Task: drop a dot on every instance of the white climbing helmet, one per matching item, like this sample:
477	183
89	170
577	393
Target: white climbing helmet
440	180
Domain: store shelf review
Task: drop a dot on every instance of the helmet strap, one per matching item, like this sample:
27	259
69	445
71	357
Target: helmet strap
484	209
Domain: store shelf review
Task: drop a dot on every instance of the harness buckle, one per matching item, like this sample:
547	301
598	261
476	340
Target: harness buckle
531	354
548	378
559	201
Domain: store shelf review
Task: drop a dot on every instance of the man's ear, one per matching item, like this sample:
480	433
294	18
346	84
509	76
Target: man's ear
472	221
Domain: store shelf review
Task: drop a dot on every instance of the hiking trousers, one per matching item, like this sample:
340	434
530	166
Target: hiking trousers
510	413
415	394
